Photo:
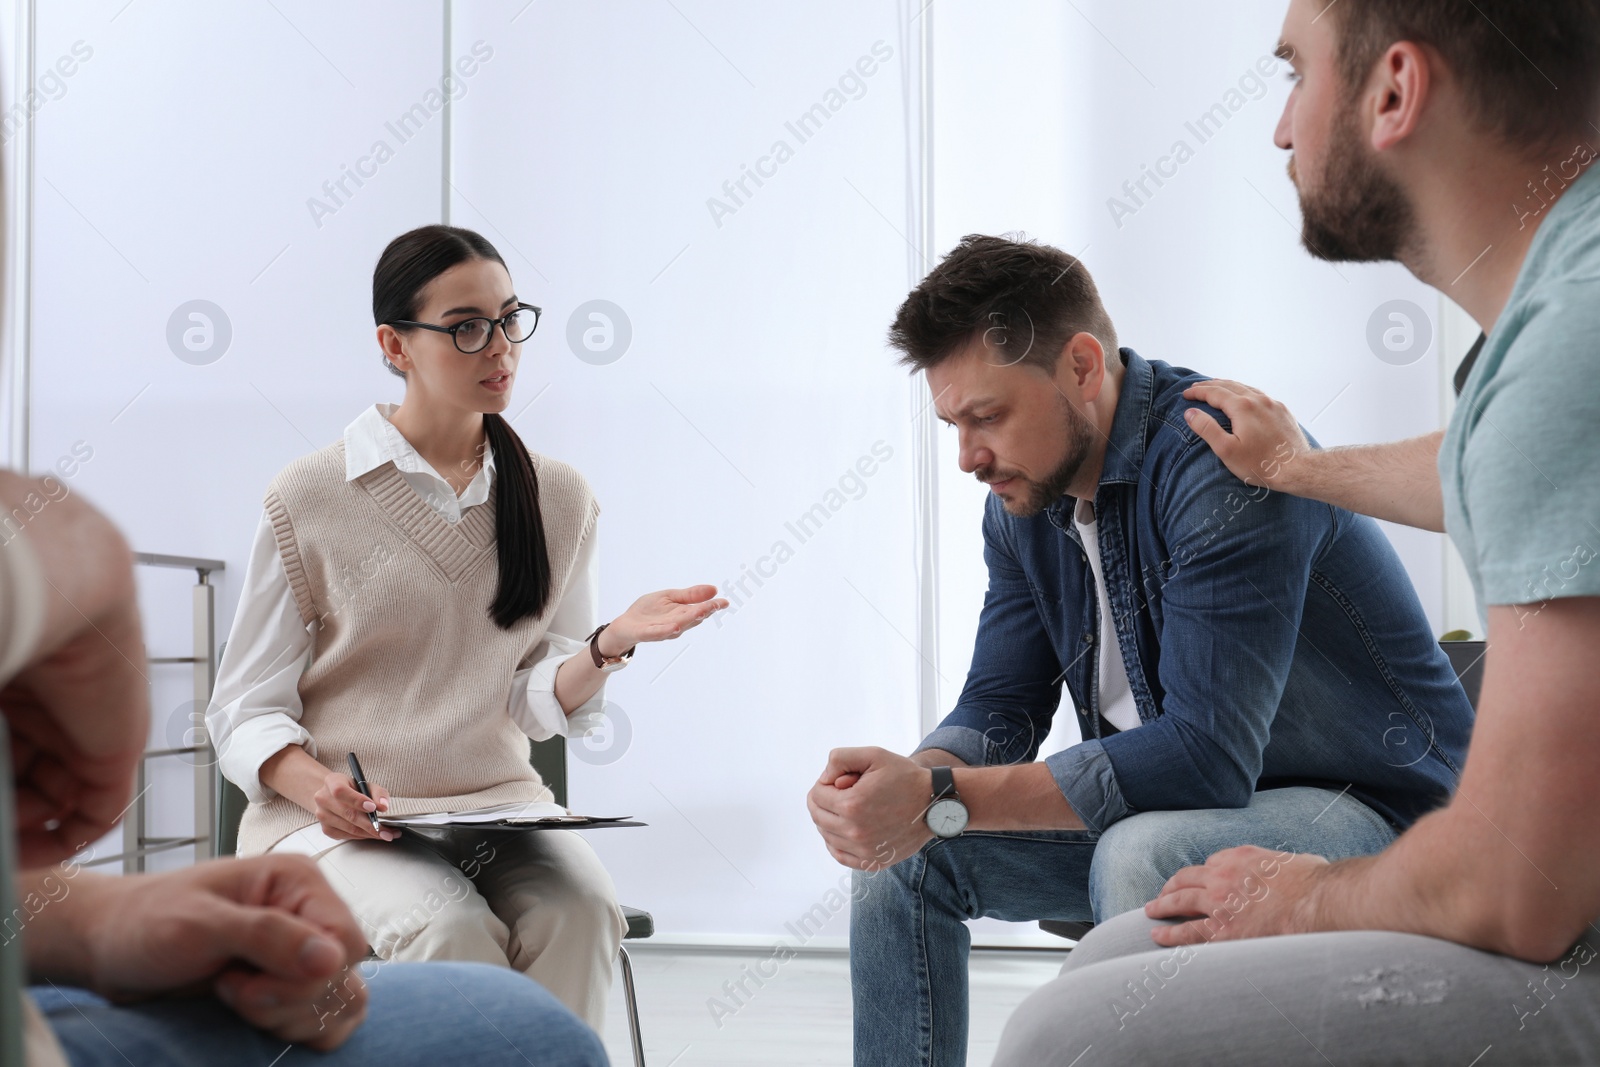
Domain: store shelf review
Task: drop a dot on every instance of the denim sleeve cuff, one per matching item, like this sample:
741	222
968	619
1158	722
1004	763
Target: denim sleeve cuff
962	741
1086	778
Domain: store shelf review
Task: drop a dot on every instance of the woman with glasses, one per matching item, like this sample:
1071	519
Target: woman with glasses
422	593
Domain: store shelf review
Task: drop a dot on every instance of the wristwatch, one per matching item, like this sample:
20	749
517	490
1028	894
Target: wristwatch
607	664
947	815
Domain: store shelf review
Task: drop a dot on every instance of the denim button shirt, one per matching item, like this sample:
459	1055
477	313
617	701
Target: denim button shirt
1269	640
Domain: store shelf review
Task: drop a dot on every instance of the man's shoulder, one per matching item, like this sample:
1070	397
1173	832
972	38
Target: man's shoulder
1556	322
1567	247
1550	323
1535	374
1169	440
1181	474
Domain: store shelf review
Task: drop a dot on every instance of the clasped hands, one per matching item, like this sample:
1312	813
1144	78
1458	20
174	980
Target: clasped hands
869	806
267	936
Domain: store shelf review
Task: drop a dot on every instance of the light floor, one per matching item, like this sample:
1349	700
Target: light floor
799	1016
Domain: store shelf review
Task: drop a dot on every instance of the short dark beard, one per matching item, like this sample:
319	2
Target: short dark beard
1357	213
1041	494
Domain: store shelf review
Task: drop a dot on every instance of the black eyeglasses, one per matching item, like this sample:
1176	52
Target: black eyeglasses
474	335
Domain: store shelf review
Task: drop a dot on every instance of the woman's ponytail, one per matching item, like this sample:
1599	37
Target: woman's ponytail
518	528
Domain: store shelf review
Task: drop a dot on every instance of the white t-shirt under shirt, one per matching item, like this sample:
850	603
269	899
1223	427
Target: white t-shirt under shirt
1117	705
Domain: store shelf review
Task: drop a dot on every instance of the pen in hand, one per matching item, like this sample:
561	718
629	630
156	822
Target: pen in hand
361	784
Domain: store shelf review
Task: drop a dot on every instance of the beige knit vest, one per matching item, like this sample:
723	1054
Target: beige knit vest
408	670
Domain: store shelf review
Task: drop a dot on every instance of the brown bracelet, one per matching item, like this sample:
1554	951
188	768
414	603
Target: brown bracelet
601	662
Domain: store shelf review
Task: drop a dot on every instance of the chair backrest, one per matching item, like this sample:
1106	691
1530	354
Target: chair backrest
550	760
1467	659
229	806
231	803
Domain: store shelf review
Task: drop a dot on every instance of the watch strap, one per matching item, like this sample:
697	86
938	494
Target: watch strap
944	783
601	662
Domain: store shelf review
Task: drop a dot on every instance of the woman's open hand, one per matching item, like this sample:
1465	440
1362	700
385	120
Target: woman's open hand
660	616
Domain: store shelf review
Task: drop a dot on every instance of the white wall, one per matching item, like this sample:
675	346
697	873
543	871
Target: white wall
755	380
181	159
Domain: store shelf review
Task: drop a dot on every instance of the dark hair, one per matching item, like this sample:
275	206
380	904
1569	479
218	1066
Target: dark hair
1027	299
411	261
1529	68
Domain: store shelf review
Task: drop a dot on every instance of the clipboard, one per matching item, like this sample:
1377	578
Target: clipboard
453	836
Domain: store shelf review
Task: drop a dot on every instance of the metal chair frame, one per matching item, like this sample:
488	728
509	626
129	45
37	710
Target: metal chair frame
136	842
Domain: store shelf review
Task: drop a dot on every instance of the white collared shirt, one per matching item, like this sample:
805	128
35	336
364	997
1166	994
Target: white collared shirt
255	707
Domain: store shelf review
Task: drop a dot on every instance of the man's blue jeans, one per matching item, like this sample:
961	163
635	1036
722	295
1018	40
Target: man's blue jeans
419	1015
909	942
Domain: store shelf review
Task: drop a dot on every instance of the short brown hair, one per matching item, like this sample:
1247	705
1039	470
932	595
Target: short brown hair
1027	299
1530	68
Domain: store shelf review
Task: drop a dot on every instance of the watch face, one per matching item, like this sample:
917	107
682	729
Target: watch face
947	818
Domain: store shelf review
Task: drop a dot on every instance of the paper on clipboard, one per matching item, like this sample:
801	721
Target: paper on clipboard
505	816
493	813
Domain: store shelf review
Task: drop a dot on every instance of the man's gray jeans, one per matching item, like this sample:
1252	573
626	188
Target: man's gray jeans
1351	999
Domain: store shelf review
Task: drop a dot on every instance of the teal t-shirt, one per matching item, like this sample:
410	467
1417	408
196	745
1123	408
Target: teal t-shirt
1520	462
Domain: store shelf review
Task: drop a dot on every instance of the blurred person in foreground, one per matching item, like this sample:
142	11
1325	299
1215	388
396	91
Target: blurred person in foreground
251	961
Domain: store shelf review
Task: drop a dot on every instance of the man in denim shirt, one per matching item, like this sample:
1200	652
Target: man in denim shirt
1247	667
